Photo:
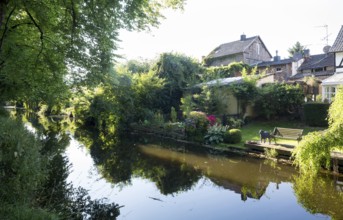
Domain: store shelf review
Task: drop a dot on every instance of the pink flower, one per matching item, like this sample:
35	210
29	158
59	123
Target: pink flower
212	119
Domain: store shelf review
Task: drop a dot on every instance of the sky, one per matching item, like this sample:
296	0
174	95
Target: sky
205	24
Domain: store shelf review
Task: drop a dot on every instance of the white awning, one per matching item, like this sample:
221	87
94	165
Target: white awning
336	79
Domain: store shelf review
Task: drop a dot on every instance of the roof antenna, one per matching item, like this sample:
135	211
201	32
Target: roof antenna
326	38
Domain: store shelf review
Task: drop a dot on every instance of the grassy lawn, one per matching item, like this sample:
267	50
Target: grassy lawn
250	131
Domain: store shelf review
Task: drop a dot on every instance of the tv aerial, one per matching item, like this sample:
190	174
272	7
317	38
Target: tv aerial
326	38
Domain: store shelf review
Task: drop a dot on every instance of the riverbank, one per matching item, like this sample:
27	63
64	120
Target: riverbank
281	152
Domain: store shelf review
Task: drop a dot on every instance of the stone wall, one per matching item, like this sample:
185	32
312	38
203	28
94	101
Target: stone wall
256	53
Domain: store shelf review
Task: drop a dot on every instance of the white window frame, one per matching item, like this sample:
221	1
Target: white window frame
329	92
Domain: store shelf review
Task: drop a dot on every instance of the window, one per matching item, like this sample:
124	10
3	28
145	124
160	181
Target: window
258	48
278	69
329	93
316	70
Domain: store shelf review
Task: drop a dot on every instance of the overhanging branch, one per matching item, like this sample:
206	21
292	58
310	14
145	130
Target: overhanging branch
40	31
6	27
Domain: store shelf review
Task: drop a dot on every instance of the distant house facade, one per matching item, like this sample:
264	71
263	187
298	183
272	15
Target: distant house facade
250	51
320	66
312	71
280	70
331	83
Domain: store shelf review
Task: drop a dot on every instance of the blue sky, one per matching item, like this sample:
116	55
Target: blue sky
205	24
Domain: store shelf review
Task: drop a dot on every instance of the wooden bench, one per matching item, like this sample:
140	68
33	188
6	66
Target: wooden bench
287	133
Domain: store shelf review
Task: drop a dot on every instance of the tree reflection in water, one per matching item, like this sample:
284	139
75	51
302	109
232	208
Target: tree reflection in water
320	194
175	169
56	194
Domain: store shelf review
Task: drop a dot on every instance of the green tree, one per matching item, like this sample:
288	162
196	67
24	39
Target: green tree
179	72
44	44
314	150
296	48
280	99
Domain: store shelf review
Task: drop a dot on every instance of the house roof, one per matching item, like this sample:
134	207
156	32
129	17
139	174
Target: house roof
338	44
275	63
336	79
221	82
234	47
318	61
302	75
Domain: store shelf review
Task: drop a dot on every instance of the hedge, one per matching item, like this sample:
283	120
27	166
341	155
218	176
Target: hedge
315	114
233	136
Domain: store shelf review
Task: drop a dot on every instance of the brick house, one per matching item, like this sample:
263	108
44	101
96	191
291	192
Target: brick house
280	70
250	51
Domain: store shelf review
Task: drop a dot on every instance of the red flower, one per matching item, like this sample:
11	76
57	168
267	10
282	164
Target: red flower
212	119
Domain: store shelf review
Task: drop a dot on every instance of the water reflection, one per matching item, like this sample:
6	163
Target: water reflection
180	171
159	179
57	194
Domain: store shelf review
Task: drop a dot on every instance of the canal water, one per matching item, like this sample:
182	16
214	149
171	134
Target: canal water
159	179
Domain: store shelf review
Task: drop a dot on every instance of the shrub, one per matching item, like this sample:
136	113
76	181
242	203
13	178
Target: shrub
233	136
21	164
279	99
316	113
215	134
158	119
270	153
196	125
234	122
173	115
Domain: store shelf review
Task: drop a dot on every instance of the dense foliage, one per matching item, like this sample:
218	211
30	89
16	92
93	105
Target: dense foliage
179	73
316	113
47	45
196	125
231	70
22	167
277	100
314	150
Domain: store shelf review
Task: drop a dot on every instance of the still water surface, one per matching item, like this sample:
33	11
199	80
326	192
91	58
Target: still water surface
154	179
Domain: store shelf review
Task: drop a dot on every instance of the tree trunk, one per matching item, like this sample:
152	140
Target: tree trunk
3	4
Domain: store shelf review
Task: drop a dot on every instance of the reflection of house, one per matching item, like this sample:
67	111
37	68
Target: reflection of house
330	84
281	69
252	192
247	50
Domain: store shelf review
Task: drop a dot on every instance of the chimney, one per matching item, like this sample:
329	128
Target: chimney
277	58
297	56
243	37
307	53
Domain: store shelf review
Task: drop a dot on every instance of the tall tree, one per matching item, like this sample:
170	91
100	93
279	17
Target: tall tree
41	41
179	72
296	48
